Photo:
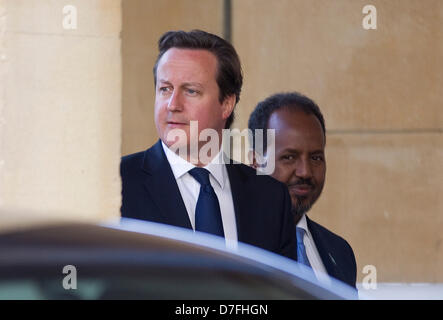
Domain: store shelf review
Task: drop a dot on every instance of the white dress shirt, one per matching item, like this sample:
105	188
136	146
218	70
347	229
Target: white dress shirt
190	189
312	252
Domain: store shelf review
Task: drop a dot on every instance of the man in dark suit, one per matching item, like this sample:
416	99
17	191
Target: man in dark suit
300	163
181	182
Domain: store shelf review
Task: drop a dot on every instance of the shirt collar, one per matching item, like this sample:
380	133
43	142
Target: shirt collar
180	166
302	223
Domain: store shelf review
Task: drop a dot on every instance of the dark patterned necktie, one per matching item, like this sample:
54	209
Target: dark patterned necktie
207	212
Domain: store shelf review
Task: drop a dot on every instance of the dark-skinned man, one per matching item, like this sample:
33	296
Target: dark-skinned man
300	163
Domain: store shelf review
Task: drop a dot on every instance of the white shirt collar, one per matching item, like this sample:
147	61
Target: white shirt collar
180	166
302	223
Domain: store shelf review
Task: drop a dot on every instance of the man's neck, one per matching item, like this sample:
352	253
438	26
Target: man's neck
201	157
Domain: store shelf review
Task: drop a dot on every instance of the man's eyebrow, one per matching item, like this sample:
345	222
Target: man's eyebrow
190	84
185	84
291	150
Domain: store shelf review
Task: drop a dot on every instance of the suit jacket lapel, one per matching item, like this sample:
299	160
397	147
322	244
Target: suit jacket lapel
326	254
161	185
238	181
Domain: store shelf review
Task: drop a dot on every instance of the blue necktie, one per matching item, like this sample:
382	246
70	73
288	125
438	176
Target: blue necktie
301	250
207	212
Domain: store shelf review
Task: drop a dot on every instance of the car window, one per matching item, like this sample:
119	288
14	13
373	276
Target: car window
155	284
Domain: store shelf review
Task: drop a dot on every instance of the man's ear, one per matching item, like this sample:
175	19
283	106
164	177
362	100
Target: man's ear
256	160
228	106
251	157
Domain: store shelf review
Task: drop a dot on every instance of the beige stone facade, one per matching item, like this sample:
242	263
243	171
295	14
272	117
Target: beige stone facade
60	104
381	94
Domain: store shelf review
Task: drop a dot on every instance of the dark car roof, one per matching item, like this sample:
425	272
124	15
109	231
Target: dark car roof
165	254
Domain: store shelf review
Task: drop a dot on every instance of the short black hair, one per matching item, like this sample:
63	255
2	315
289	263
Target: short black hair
292	101
229	73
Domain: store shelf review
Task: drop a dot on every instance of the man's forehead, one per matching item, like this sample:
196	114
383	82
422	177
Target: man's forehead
296	127
295	119
192	65
180	55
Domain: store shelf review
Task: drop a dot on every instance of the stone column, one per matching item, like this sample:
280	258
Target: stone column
60	106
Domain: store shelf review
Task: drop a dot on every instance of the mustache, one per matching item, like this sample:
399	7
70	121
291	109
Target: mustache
301	181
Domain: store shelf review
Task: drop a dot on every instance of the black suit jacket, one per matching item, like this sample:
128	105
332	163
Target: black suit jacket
335	252
262	204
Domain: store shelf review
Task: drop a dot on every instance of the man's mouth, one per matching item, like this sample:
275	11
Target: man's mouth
174	124
301	190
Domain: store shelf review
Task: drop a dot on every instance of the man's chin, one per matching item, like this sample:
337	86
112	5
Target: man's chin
173	141
300	207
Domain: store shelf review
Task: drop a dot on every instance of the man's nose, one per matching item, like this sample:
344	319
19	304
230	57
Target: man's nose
303	168
175	102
